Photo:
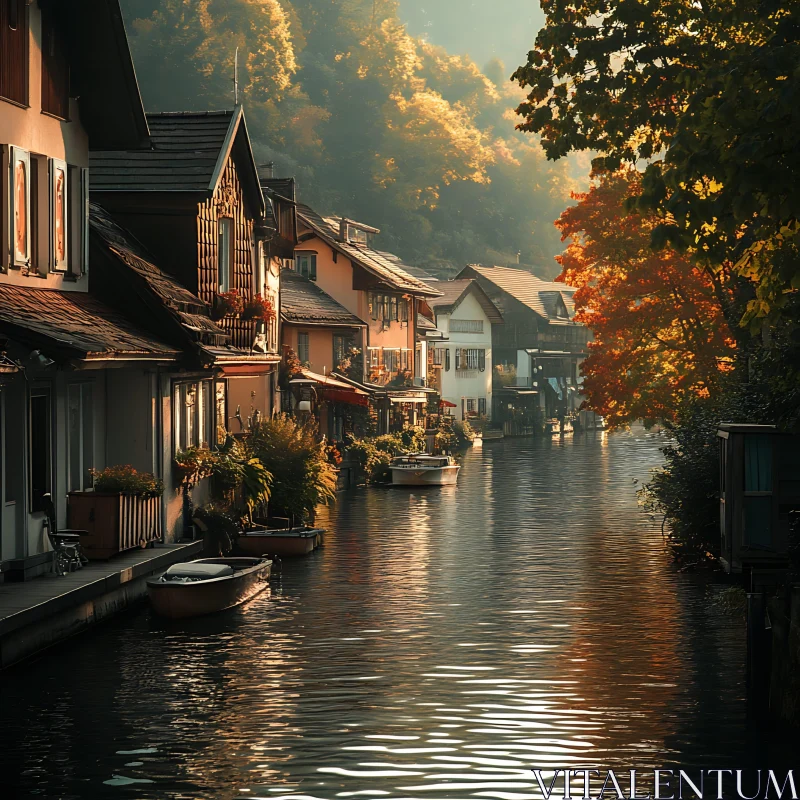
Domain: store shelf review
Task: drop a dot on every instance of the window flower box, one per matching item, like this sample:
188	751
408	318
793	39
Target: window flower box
227	304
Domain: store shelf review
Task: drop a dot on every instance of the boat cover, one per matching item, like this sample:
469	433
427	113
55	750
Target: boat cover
195	570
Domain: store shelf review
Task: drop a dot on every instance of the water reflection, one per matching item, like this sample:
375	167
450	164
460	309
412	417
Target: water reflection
443	644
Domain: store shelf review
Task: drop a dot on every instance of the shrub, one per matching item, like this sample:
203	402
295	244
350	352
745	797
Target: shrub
303	478
125	479
221	526
463	433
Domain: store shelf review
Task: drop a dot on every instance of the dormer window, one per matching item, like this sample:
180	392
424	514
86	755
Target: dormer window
357	235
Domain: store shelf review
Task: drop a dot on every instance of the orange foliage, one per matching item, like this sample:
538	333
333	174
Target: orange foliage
659	330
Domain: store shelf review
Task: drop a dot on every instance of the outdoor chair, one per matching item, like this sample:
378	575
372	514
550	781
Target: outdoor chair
67	553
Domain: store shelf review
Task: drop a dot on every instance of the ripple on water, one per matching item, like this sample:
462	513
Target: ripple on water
441	645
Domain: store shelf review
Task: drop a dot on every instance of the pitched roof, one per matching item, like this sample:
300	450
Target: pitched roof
549	299
186	308
454	292
75	324
387	267
302	301
188	154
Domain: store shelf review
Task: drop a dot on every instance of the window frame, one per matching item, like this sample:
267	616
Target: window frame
305	346
85	390
310	271
202	421
23	22
225	270
40	391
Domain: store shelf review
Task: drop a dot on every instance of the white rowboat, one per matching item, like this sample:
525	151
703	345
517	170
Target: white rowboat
424	470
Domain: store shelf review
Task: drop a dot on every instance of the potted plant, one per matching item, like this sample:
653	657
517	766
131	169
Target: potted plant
227	304
259	308
123	512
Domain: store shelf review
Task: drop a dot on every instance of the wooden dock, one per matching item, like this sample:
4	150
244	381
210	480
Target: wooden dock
39	613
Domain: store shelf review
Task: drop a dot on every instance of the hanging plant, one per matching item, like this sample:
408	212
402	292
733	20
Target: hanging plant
259	308
227	304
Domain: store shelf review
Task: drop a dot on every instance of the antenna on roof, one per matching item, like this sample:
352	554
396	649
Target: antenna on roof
236	78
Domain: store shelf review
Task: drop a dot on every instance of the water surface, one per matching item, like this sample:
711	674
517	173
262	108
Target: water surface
443	643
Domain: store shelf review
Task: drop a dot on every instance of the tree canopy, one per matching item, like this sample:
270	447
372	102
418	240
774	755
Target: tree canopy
375	123
660	333
707	94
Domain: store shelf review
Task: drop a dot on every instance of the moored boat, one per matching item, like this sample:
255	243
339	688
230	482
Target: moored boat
284	542
207	585
424	470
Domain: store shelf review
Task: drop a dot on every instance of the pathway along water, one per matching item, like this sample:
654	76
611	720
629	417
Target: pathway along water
442	644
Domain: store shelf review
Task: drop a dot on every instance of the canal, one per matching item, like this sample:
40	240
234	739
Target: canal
441	645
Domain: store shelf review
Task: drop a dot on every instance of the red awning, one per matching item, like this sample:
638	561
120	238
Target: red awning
345	396
447	404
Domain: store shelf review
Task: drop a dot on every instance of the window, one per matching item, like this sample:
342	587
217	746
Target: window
193	408
80	436
482	406
404	311
225	253
407	360
306	265
393	315
341	344
466	326
260	272
357	235
21	206
472	405
55	69
391	360
303	347
447	359
14	49
470	359
221	411
40	446
58	215
78	219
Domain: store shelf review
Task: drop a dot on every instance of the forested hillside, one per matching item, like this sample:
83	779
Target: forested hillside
374	123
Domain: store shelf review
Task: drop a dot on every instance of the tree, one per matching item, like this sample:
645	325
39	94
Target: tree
709	93
660	333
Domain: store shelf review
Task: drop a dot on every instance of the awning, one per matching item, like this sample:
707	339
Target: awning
447	404
247	370
408	400
334	390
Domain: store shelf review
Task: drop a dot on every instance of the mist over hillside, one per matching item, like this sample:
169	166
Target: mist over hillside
374	122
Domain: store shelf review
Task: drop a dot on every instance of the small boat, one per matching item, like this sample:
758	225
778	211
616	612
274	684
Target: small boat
284	542
207	585
424	470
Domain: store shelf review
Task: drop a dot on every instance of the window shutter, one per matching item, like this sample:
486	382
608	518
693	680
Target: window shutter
447	359
458	358
482	405
404	311
481	360
312	267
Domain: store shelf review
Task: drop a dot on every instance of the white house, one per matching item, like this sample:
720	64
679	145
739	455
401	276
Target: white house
462	358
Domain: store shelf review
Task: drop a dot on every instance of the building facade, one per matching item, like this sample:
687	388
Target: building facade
537	350
67	85
460	358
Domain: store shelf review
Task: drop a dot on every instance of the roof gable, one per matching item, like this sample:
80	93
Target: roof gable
188	154
551	300
454	292
386	267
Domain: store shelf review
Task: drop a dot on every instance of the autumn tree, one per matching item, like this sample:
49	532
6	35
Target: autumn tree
709	93
660	333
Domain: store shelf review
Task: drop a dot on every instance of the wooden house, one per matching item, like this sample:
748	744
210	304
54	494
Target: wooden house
376	287
66	84
537	350
759	472
185	227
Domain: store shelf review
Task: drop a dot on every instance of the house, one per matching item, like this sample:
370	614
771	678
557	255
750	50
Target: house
187	243
67	84
375	286
461	359
537	350
321	332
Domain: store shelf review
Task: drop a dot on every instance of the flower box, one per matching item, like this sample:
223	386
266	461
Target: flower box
115	522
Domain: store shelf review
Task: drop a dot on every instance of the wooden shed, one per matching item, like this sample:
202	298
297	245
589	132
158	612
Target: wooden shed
759	486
